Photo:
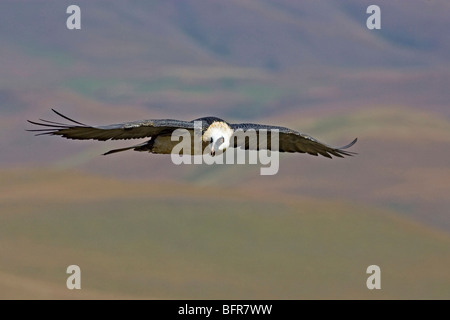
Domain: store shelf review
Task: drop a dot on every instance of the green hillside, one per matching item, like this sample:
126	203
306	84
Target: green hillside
141	227
180	241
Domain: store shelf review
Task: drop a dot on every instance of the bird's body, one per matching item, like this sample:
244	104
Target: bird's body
216	134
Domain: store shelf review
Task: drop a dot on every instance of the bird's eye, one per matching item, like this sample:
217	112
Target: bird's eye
211	140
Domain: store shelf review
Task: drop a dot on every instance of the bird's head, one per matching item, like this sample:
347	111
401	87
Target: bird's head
218	135
218	144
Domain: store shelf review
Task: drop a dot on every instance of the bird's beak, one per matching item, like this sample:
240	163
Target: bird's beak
215	145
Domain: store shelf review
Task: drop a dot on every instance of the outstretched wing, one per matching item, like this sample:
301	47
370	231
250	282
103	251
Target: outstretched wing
127	130
289	141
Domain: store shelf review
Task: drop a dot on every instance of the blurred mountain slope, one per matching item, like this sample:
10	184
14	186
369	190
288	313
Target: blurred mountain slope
142	227
140	239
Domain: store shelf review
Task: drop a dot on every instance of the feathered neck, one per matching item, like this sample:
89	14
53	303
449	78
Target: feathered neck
216	130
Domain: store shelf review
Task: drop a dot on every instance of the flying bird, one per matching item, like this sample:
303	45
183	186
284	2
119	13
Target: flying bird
216	134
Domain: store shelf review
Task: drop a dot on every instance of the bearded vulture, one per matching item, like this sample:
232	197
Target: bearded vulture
216	134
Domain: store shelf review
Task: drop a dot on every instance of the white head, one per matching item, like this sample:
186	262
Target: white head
219	136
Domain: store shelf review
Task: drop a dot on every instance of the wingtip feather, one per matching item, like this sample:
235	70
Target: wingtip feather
67	118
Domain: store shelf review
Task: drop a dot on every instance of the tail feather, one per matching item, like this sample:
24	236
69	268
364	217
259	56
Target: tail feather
126	148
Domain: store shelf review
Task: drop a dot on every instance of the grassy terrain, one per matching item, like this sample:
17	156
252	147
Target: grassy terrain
140	240
141	227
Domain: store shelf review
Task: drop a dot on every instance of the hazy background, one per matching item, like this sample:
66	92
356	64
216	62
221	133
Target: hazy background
141	227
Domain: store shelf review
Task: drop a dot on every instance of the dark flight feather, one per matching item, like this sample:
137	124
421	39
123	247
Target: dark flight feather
289	141
120	131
